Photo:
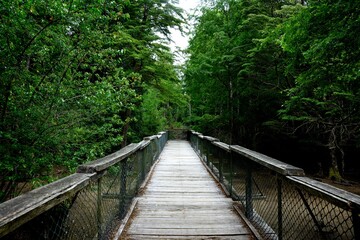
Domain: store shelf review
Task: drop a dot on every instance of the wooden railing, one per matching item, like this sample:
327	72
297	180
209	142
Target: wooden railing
86	205
278	199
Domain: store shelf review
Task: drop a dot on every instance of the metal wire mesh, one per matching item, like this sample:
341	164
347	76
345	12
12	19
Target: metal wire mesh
276	205
96	210
74	218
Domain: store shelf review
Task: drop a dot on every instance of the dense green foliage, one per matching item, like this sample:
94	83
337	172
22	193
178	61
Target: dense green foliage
262	70
74	78
81	78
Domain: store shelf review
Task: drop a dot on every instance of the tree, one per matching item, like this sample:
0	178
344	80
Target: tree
324	46
72	74
235	71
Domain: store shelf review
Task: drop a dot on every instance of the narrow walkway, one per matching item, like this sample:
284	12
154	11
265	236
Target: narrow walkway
182	201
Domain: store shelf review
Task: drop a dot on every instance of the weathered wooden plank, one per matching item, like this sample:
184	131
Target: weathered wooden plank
105	162
19	210
150	137
210	231
181	205
194	199
222	145
186	215
342	198
181	200
164	237
144	144
271	163
196	223
195	219
211	139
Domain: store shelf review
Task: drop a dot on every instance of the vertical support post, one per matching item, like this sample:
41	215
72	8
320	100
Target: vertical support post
197	143
199	146
123	176
280	216
207	154
231	174
215	156
142	164
147	157
248	192
221	165
158	148
99	207
356	223
153	152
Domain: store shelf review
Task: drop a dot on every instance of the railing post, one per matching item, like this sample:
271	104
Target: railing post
356	223
123	176
221	165
157	141
207	153
142	164
152	152
197	144
231	173
99	208
280	217
248	192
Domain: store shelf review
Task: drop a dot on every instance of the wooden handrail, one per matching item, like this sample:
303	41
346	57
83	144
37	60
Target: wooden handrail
19	210
107	161
222	145
271	163
339	197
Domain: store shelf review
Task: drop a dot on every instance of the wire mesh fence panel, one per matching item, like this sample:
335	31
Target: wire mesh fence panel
74	218
215	162
310	217
82	219
280	202
85	205
109	200
264	201
239	179
148	158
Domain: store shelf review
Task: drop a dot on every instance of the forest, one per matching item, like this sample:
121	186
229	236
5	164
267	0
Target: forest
280	77
80	79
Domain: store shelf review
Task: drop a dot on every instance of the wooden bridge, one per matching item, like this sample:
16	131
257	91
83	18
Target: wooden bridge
183	201
196	189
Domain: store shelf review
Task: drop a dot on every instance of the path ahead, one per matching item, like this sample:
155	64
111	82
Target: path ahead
182	201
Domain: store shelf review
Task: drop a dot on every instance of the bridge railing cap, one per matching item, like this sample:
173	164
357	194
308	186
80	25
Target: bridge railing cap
21	209
150	137
109	160
211	139
195	133
271	163
222	145
144	144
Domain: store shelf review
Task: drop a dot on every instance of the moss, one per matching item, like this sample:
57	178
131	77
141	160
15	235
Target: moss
334	174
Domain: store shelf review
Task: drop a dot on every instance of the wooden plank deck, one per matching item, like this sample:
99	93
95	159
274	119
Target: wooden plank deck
182	201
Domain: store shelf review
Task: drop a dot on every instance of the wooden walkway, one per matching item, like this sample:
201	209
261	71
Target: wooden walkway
182	201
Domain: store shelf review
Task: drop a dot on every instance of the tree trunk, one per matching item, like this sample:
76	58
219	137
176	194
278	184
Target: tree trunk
126	127
334	173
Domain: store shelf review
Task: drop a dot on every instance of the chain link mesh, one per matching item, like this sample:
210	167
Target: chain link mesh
95	211
277	206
